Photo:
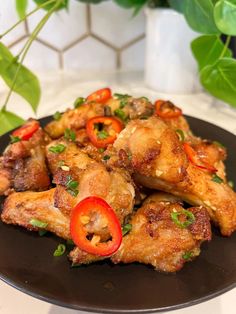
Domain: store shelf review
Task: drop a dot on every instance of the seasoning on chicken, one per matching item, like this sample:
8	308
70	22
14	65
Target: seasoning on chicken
36	211
23	165
164	236
171	171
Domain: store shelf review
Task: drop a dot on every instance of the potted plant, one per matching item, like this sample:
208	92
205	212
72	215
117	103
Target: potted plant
216	65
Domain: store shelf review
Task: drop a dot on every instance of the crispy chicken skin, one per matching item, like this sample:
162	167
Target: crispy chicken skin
113	185
154	149
23	166
77	118
19	208
74	119
192	184
155	239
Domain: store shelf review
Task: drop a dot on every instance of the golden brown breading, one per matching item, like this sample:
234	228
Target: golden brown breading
23	164
20	208
170	171
155	238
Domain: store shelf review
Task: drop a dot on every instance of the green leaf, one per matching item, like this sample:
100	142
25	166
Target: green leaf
130	3
27	84
63	5
217	179
207	49
21	6
177	5
219	79
199	15
9	121
225	16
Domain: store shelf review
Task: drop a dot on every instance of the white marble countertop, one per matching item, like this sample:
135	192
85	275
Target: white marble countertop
59	91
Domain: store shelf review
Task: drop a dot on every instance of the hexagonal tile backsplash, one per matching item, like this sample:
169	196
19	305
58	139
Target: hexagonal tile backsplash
86	37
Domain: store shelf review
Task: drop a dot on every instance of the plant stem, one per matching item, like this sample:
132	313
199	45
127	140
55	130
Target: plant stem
27	47
25	17
227	42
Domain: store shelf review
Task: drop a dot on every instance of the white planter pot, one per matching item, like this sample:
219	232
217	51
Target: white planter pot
170	66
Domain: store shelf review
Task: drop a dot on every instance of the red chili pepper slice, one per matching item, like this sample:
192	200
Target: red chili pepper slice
196	160
167	110
101	95
81	216
27	130
103	131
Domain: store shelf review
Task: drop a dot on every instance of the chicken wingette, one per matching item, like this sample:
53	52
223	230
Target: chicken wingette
159	161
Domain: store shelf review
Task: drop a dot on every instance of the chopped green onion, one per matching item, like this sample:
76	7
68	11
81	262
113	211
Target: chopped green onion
189	216
69	135
60	250
70	242
120	114
102	135
130	156
180	134
218	144
42	232
57	116
72	186
79	101
126	228
14	139
145	98
106	157
187	255
217	179
101	150
231	184
120	96
38	223
59	148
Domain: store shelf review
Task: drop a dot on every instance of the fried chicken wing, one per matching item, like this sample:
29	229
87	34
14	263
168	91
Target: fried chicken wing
20	208
74	119
157	240
170	170
113	184
23	166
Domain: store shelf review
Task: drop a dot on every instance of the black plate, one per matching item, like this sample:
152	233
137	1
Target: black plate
27	263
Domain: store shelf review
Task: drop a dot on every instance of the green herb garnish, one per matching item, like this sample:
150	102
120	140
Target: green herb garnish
121	96
102	135
218	144
14	139
120	114
187	255
72	186
42	232
101	150
231	184
70	242
126	228
57	116
38	223
217	179
69	135
60	250
106	157
59	148
180	134
79	101
188	215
